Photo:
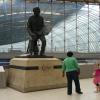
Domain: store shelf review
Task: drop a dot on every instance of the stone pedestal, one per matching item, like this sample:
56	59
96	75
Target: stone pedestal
3	77
32	74
86	70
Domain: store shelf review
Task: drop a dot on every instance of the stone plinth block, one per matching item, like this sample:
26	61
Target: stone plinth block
3	77
32	74
86	70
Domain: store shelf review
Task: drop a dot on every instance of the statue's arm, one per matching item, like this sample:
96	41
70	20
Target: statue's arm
29	27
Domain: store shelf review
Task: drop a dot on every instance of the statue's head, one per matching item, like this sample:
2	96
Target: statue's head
36	11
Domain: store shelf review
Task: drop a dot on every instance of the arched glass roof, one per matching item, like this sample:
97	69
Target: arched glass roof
76	26
81	37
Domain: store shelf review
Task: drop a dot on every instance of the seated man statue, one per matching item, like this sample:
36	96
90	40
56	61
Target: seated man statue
35	26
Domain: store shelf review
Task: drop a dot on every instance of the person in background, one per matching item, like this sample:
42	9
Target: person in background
71	69
35	27
96	78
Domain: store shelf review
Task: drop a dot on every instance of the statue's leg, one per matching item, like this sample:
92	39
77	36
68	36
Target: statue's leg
43	40
29	49
35	47
32	46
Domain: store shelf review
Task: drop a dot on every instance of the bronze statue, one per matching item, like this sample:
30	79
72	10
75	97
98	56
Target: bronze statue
35	28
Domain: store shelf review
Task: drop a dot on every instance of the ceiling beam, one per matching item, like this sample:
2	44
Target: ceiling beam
87	1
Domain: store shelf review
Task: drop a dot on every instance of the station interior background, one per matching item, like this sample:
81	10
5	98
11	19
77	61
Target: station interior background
75	25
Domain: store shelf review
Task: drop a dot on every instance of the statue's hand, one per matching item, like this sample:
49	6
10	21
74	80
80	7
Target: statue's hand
33	36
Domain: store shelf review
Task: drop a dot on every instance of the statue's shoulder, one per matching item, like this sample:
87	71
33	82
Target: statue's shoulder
41	17
31	17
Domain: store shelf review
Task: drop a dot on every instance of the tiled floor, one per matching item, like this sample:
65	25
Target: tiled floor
55	94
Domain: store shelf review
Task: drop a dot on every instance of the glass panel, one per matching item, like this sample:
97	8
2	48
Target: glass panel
73	26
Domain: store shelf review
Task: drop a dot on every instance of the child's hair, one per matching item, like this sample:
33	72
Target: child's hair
98	65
